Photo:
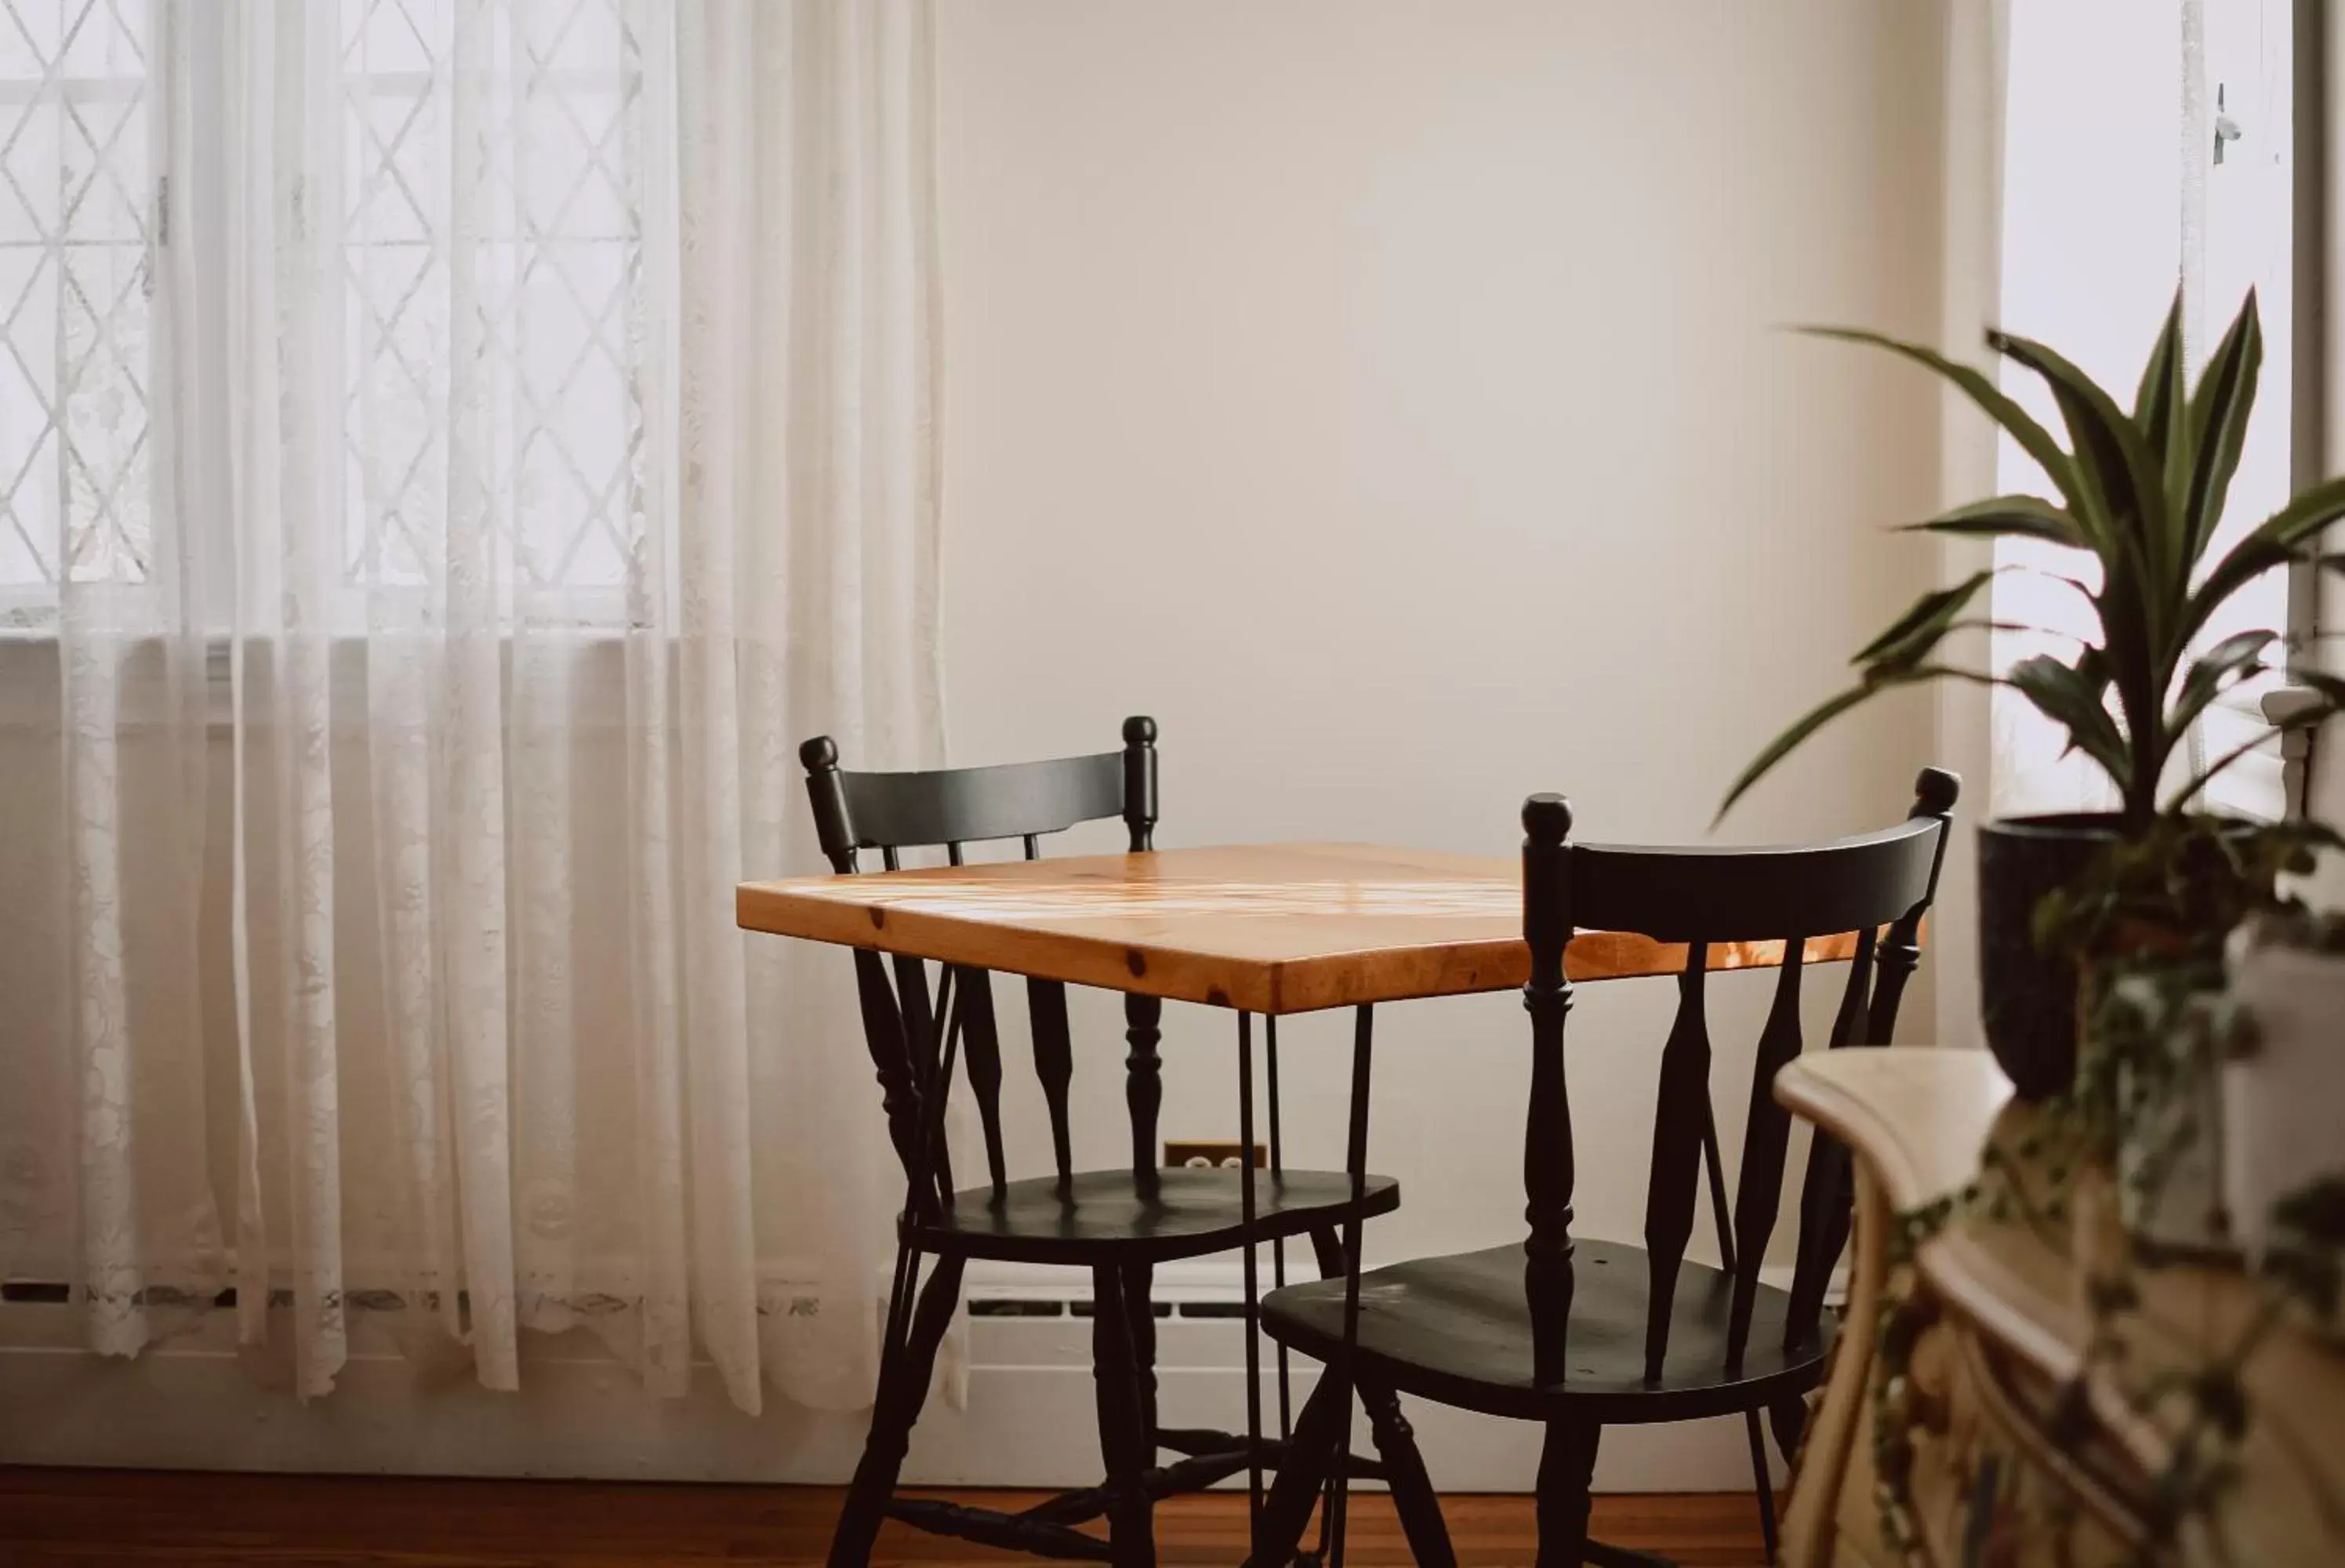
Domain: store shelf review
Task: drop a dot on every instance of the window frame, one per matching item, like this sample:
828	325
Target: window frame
2309	456
34	607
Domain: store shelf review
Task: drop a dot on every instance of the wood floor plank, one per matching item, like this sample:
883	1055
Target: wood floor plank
208	1520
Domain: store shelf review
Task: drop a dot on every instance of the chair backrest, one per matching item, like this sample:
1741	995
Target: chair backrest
1701	897
904	1027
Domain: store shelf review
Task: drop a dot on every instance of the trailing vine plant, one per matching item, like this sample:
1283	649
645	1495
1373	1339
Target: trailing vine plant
2215	1408
2148	926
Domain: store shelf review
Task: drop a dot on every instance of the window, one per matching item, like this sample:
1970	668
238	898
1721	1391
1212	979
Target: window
2241	236
79	205
2147	142
537	243
486	209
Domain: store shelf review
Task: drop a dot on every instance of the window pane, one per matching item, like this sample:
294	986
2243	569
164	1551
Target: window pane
541	231
2246	243
76	280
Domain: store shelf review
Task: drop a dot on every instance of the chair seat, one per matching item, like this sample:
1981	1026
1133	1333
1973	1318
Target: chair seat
1457	1330
1103	1217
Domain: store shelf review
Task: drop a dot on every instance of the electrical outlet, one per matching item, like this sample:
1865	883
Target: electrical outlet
1216	1153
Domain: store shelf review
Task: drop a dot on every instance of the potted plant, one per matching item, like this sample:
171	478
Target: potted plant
2153	1096
2283	1082
2139	492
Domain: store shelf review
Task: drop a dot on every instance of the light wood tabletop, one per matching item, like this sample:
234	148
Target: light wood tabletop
1267	928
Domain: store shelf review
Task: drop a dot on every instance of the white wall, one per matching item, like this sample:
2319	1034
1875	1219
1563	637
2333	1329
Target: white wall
1386	396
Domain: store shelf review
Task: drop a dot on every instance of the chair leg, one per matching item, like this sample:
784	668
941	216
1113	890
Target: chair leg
1294	1491
1123	1440
903	1388
1414	1498
1139	1311
1566	1466
1759	1475
1789	1419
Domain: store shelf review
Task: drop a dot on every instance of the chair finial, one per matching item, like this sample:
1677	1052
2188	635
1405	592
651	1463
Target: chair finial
1935	790
818	754
1140	730
1546	818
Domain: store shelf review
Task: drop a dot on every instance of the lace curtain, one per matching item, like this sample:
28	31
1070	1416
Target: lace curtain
487	434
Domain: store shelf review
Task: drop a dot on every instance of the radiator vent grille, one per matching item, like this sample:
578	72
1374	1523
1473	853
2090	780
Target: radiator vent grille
1081	1307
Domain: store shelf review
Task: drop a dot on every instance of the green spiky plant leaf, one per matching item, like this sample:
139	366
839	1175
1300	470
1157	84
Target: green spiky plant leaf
2141	489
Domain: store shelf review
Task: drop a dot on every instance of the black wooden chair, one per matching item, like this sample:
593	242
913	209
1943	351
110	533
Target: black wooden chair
1118	1223
1583	1335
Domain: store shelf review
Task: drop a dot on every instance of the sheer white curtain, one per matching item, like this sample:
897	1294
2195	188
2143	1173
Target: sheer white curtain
550	446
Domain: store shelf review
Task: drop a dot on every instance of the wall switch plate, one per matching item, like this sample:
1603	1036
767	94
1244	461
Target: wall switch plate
1213	1153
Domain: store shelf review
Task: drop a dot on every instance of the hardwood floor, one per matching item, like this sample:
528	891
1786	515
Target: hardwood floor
213	1520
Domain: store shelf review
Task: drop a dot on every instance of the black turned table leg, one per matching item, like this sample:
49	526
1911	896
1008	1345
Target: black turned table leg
903	1389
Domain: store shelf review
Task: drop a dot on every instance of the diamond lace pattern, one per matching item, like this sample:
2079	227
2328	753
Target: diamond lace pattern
543	428
551	264
76	282
551	279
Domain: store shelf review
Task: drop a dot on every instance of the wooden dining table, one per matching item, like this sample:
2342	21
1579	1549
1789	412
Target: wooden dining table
1269	928
1273	930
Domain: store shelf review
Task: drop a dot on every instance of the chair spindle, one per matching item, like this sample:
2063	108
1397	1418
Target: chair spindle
1140	781
1715	1167
1826	1191
883	1036
1934	793
981	1041
1766	1135
1677	1153
1900	952
1549	1175
1143	1089
1054	1065
1143	1086
932	1179
920	1023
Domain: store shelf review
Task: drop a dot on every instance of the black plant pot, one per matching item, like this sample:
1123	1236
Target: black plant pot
2029	998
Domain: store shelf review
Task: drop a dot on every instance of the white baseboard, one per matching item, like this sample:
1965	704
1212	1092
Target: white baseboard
193	1402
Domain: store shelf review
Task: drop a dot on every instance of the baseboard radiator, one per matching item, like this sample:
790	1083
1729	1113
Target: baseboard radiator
194	1402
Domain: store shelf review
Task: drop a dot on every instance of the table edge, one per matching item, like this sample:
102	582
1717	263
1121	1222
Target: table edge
1273	986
